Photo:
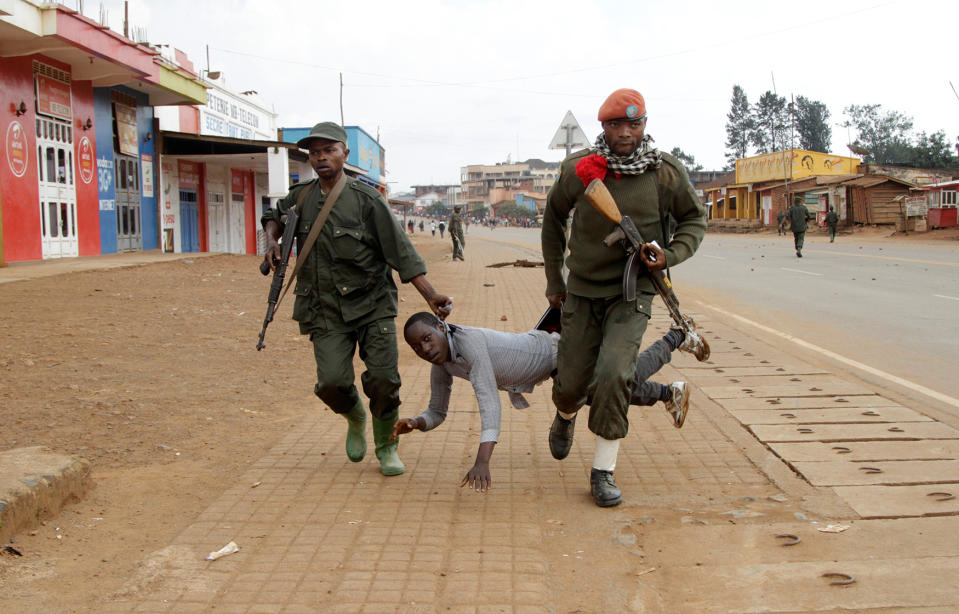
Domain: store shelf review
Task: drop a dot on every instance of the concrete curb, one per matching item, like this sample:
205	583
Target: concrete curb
35	483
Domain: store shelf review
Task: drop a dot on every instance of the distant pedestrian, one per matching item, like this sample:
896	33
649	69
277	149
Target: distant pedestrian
421	226
442	229
781	222
456	233
797	223
832	219
433	228
409	226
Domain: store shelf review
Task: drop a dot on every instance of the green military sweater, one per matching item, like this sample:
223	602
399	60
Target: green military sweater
595	270
347	280
797	218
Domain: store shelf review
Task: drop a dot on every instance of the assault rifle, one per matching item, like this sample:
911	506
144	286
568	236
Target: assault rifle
598	195
279	270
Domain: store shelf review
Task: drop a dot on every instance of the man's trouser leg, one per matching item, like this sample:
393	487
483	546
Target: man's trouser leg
798	239
334	385
597	353
832	234
650	360
381	383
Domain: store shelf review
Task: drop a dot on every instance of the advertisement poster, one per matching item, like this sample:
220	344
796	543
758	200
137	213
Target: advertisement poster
17	156
126	129
85	159
146	170
53	97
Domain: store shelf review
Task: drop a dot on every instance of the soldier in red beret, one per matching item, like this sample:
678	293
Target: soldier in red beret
602	331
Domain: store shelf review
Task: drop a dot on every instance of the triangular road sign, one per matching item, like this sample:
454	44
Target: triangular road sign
569	134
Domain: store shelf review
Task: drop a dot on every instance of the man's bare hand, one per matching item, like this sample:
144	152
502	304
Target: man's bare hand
653	257
402	427
478	478
556	300
441	305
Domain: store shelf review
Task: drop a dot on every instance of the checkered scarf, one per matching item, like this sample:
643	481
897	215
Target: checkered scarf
646	156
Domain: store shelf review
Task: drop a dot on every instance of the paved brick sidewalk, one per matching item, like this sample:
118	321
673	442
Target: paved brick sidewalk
318	533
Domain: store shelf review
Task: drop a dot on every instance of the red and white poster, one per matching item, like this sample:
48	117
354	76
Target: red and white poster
54	98
146	172
17	156
85	161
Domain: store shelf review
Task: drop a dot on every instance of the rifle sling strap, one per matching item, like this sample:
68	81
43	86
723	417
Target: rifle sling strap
318	224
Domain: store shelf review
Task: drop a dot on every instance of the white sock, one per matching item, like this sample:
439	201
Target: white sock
604	455
566	416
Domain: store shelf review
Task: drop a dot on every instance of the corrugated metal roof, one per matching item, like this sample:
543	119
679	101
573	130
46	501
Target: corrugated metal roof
869	181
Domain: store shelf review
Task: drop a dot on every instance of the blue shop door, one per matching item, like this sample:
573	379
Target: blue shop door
189	222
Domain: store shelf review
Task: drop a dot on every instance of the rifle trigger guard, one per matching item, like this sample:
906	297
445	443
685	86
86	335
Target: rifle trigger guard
630	273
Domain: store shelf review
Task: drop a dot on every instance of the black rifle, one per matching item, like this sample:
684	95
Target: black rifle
279	270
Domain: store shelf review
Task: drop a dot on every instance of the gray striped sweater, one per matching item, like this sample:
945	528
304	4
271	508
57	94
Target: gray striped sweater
491	360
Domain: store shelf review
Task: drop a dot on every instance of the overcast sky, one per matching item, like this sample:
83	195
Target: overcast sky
455	82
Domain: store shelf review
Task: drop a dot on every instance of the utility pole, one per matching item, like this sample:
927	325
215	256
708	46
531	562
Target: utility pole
126	18
342	123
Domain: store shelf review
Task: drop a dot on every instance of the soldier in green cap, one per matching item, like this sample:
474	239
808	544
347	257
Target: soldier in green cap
345	294
797	216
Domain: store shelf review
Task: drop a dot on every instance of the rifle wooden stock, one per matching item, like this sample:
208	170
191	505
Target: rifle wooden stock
599	196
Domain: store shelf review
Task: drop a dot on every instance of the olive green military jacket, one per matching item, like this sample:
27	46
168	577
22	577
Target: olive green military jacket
347	279
595	270
797	217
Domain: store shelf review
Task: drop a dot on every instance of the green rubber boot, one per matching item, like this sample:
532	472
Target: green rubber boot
356	432
390	463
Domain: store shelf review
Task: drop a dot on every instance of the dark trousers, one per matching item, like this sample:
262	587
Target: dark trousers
596	360
334	367
649	361
798	239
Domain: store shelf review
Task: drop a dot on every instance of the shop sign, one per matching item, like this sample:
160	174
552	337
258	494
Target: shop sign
146	170
189	173
17	156
916	206
85	159
126	128
53	97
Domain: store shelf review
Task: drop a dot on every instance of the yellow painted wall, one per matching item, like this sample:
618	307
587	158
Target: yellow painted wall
794	164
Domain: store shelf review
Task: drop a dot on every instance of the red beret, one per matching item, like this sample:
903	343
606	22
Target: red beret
623	104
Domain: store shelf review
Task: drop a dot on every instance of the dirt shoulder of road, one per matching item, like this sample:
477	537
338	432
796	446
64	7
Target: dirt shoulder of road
151	374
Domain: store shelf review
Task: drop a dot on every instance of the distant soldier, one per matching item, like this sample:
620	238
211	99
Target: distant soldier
781	222
456	233
832	219
797	223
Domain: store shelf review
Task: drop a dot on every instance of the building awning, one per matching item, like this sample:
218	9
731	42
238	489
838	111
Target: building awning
187	144
874	180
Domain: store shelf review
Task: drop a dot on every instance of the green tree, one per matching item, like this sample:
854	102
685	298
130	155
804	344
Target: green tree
687	159
515	211
739	123
479	212
437	209
933	151
770	124
884	134
812	125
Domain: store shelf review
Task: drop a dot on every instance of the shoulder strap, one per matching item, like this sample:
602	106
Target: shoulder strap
662	214
315	230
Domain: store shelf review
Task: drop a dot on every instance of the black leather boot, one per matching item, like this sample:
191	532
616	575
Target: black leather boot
603	488
561	436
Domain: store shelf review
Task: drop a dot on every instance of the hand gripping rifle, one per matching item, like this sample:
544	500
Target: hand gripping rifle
598	195
279	270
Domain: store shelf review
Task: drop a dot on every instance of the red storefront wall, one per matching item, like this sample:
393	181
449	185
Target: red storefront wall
20	195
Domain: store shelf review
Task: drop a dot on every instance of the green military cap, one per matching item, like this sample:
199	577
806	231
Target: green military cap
324	130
